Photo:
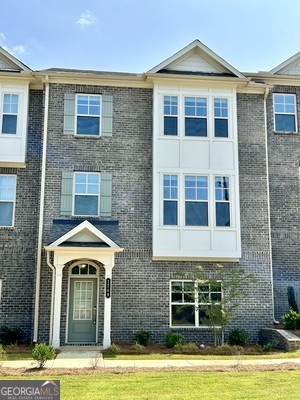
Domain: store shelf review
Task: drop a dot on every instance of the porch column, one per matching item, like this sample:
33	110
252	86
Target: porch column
107	307
57	306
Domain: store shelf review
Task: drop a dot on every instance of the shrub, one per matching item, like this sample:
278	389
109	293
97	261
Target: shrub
291	320
273	344
43	352
2	353
226	349
11	335
142	337
138	346
189	348
113	349
173	339
292	298
238	337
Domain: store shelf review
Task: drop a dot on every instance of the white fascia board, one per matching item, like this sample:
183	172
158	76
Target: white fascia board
214	259
73	249
194	45
287	63
84	225
13	60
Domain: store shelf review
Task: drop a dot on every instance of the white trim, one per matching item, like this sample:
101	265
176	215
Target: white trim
84	225
88	115
284	112
287	63
85	194
11	201
13	60
1	289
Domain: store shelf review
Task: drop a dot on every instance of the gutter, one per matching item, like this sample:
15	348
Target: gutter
41	215
52	296
267	90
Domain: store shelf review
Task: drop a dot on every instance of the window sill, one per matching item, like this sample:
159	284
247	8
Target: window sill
86	137
192	327
287	133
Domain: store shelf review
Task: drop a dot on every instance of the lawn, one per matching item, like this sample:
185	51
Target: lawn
275	385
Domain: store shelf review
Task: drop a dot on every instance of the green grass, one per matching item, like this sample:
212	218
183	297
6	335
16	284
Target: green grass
18	356
275	385
158	356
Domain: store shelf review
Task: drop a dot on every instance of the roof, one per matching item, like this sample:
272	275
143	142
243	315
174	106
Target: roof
9	63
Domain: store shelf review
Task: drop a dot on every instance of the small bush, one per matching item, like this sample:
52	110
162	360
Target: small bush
226	349
138	346
43	352
238	337
291	320
189	348
173	339
2	353
273	344
142	337
113	349
10	336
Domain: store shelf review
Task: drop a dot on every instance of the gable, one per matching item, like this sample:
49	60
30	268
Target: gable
289	67
8	63
196	58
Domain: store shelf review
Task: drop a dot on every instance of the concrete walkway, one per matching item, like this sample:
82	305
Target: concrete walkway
92	357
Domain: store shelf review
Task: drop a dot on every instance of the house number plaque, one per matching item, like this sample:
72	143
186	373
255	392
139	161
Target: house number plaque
107	288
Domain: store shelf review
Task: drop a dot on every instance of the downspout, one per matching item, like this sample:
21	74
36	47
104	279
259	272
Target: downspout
52	296
42	199
268	202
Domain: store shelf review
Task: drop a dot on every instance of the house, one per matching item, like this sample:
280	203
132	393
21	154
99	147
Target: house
115	186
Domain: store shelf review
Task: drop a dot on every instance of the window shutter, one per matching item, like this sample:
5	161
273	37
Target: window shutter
69	114
66	193
107	116
105	195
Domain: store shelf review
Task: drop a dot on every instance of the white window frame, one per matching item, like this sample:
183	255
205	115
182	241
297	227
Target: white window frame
171	114
208	201
221	117
10	201
222	201
284	112
85	194
89	95
2	113
196	302
170	199
206	117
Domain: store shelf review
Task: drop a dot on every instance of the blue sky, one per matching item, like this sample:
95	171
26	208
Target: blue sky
136	35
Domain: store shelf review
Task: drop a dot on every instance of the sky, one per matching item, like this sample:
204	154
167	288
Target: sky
136	35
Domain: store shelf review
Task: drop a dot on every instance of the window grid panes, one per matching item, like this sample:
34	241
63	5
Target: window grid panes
285	112
83	292
7	199
170	196
86	194
187	297
196	200
222	199
221	117
171	115
195	109
88	115
10	113
84	269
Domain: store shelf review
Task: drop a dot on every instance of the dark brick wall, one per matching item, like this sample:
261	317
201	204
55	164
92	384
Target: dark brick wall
18	244
284	157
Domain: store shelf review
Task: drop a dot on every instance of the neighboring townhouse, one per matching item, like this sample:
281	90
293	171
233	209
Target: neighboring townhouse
114	187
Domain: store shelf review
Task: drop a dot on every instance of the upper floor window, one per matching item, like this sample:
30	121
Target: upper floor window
170	209
196	200
285	112
171	115
88	115
9	113
222	198
7	199
221	117
195	116
86	194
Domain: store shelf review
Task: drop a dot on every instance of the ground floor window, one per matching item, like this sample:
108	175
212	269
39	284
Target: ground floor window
191	300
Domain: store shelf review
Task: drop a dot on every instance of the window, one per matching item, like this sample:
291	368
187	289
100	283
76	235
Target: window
195	116
88	115
9	114
222	201
285	112
170	190
221	117
7	199
196	200
171	115
84	269
86	194
190	299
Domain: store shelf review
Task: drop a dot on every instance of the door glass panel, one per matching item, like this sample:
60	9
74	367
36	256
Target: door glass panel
82	307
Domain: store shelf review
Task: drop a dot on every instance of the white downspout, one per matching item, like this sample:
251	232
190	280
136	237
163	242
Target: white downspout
42	199
52	297
268	201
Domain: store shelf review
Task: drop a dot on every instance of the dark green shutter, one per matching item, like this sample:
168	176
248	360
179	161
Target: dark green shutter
107	116
66	193
69	114
105	195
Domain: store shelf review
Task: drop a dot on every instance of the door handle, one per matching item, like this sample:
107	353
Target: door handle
94	314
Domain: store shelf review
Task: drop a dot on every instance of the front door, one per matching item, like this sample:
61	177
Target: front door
82	310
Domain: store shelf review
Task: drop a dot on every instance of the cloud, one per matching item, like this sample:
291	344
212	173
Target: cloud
15	50
87	18
2	38
19	49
